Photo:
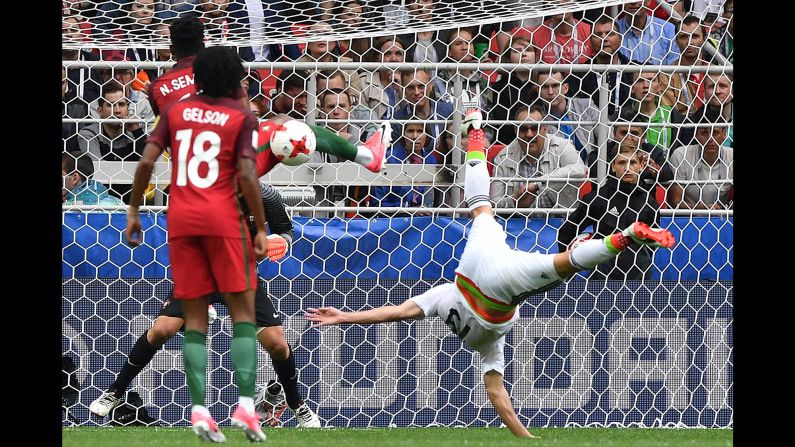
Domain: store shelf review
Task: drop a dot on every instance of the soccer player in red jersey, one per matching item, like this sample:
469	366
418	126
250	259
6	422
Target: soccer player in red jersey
371	154
187	40
209	245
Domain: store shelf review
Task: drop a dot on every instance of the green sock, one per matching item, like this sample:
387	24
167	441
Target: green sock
476	155
244	357
330	143
194	354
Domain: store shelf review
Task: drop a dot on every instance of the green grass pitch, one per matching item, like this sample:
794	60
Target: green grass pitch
402	437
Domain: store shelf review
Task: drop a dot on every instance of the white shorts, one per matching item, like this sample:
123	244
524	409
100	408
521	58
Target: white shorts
446	303
500	272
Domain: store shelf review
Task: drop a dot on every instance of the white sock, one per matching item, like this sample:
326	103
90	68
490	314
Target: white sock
247	403
363	155
590	253
476	184
200	409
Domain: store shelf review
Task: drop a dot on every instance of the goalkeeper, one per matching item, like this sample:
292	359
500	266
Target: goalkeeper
492	280
269	332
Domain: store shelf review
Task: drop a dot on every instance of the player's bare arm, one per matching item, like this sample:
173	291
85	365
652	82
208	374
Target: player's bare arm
498	396
143	173
325	316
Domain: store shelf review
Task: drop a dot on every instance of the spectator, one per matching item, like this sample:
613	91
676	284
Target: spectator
252	83
383	88
553	90
722	32
139	106
720	101
612	206
561	39
532	154
414	147
706	160
73	107
257	105
654	169
264	17
327	51
327	81
605	43
84	83
129	22
351	16
646	100
290	96
461	49
108	140
646	39
335	104
514	87
162	33
77	168
214	15
418	104
682	90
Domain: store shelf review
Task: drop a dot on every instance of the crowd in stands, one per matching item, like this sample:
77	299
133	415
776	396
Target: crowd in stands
541	166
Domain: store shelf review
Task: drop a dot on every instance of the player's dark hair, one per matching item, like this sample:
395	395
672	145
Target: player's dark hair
218	72
81	162
187	36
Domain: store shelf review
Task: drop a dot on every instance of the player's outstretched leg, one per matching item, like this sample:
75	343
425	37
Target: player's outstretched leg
593	252
141	354
371	154
476	179
642	234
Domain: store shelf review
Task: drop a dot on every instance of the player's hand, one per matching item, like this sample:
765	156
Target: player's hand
133	231
261	245
270	418
472	120
277	247
324	316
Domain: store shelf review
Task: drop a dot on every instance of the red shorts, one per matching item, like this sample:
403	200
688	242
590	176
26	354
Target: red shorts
201	265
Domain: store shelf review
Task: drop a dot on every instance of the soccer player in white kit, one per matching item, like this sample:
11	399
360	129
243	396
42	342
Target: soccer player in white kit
492	279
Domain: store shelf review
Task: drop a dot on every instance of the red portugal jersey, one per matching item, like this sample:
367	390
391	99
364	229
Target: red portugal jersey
266	160
207	137
175	84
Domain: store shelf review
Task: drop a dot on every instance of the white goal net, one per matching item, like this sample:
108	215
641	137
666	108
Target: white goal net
612	87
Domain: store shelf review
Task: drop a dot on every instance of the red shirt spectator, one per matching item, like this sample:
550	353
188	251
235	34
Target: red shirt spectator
562	39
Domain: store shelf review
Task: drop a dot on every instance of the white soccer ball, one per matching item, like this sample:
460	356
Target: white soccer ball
293	143
582	237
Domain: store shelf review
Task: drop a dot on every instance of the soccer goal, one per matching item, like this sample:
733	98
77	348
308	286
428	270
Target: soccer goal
646	341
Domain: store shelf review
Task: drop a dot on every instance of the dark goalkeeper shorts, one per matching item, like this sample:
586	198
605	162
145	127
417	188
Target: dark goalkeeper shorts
266	314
